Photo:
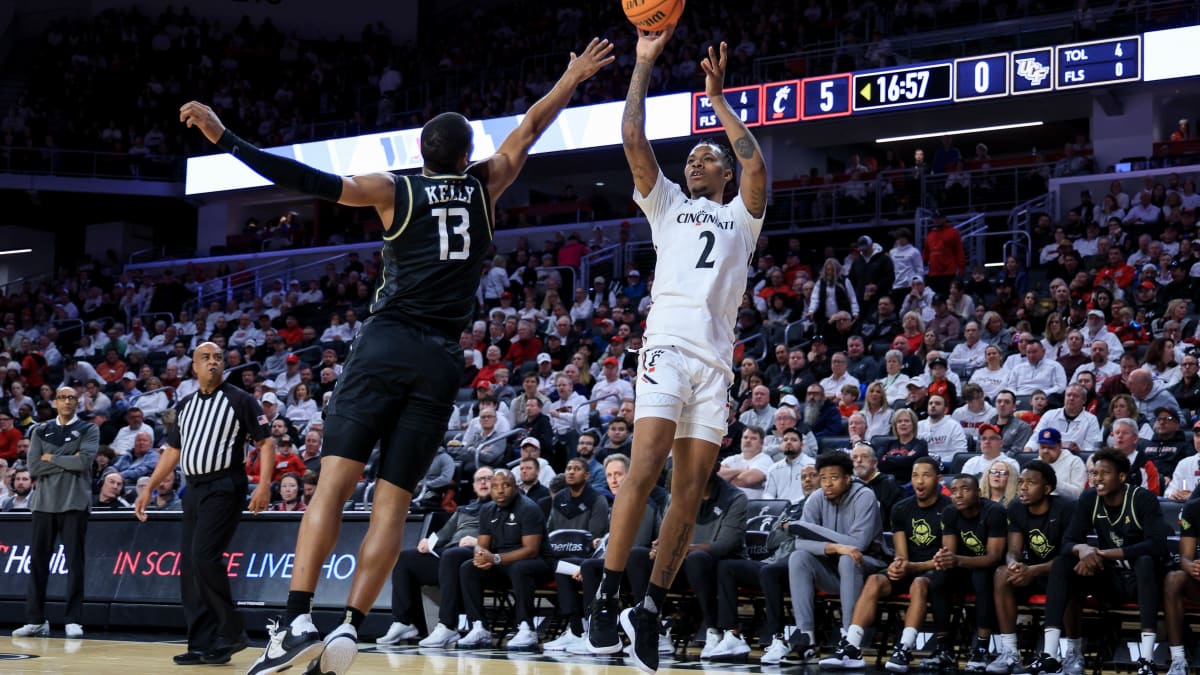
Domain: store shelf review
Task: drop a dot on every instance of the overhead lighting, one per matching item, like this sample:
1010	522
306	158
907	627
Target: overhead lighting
15	251
599	183
954	132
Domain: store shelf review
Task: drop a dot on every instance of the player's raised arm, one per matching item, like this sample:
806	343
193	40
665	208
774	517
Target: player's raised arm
638	151
373	189
502	168
753	187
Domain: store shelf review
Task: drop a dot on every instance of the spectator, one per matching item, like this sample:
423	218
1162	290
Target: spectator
21	494
943	253
748	470
943	436
290	494
111	495
140	460
820	414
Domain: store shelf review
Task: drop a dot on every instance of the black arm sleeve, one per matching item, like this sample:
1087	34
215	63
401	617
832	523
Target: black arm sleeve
282	171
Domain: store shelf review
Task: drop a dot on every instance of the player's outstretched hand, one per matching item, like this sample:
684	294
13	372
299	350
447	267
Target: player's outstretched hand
713	66
595	56
196	114
650	44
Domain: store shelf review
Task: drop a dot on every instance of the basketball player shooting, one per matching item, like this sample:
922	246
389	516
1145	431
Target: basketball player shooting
400	379
684	371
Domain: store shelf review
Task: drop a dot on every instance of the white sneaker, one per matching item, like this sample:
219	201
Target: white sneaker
1004	663
712	638
581	648
398	632
1072	663
563	642
665	645
74	631
341	647
478	638
776	651
1178	667
730	646
33	630
525	638
440	636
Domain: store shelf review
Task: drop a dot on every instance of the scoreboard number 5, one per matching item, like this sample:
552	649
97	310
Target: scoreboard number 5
826	96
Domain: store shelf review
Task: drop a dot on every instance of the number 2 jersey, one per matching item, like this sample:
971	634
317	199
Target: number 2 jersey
703	251
433	252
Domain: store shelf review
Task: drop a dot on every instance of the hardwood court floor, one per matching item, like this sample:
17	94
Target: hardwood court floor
134	654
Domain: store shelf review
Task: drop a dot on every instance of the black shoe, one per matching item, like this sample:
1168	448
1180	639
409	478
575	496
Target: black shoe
602	628
941	659
846	657
188	658
977	662
1146	667
802	646
1042	664
901	658
288	646
642	628
223	651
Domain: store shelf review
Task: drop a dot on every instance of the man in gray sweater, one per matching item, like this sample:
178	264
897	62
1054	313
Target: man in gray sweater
839	542
60	458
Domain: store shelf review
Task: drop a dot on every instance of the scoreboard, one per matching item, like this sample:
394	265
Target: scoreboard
937	83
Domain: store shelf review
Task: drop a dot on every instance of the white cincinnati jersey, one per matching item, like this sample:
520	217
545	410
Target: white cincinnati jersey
703	248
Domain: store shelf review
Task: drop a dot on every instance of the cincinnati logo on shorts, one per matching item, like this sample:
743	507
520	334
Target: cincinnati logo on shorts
922	533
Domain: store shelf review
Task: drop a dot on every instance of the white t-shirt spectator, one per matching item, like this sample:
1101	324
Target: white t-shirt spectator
761	461
1083	431
945	438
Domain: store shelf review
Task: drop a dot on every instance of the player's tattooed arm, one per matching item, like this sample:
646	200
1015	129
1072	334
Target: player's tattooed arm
638	152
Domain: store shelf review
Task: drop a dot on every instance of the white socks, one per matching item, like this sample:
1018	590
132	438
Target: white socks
908	638
1148	640
1008	642
1052	636
854	636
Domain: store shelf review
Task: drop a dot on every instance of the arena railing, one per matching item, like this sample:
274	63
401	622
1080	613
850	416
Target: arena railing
1065	191
607	261
90	164
889	198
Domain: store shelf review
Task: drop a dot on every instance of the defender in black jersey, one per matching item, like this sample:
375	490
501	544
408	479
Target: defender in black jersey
1127	566
402	375
1183	584
1037	523
917	537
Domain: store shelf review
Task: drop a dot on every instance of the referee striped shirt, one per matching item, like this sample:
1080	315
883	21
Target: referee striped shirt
211	430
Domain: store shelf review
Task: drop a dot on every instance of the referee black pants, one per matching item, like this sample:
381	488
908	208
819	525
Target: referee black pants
414	570
71	526
211	512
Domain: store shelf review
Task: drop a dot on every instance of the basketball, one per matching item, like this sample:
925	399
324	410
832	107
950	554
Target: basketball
652	15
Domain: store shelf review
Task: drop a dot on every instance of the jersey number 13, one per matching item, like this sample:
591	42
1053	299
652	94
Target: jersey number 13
460	229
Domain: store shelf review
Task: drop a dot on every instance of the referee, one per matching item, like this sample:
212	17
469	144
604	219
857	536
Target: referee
209	438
